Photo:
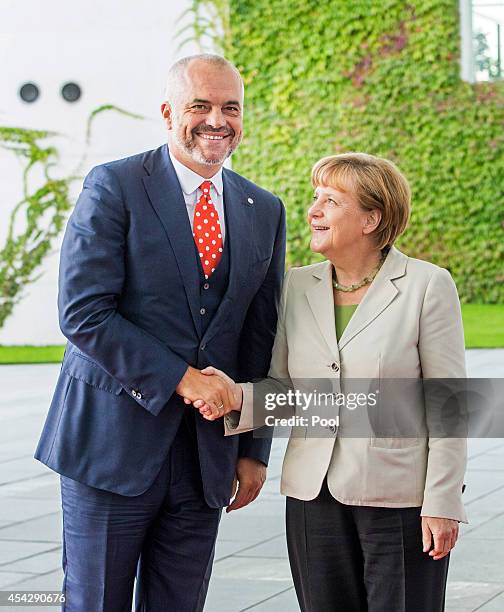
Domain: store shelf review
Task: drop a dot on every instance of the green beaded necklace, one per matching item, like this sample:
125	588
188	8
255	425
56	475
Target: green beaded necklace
365	281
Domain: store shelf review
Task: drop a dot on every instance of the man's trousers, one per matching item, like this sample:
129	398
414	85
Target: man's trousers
165	537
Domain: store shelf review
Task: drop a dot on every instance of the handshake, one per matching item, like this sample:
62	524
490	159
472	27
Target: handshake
211	391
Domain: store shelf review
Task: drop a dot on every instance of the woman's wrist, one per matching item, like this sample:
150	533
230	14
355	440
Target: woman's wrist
239	399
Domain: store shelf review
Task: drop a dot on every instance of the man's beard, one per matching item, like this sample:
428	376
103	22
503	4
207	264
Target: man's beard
190	147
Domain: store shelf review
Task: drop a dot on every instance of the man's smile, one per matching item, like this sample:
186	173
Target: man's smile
207	136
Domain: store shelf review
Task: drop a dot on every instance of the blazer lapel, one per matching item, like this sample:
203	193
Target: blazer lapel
379	295
320	298
167	199
239	219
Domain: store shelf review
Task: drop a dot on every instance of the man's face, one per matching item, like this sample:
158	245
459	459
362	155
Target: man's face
205	121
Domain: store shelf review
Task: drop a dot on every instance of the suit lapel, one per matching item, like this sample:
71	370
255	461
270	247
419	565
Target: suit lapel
167	199
320	298
239	219
379	295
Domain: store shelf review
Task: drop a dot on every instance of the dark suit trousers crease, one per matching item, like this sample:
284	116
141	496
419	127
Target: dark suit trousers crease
361	558
165	537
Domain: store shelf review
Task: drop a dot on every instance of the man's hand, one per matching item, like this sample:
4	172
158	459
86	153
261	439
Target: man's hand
214	390
445	534
250	477
211	412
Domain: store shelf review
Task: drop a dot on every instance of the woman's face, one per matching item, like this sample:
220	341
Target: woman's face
336	220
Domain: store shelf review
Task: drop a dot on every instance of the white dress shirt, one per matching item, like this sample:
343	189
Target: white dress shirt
190	182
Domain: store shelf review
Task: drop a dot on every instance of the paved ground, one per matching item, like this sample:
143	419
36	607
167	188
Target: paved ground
251	570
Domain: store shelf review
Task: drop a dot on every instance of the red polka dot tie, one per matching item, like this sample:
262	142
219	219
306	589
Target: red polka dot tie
207	231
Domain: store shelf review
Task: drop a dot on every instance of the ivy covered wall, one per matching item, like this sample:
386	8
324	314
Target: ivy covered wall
380	76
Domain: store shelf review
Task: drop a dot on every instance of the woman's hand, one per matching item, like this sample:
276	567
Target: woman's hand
444	532
211	412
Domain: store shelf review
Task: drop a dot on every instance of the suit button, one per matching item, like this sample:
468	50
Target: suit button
206	286
202	347
139	395
134	393
335	367
202	311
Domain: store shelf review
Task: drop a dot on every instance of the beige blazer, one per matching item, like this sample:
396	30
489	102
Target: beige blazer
408	325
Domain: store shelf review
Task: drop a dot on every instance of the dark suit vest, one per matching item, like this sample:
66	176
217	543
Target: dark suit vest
212	290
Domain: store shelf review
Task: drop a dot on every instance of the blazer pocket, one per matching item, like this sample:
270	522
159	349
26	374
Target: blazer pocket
395	475
82	368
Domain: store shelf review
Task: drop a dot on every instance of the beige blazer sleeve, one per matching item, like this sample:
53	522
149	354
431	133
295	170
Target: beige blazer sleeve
442	355
240	422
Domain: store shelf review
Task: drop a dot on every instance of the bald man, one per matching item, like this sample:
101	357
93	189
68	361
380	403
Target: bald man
170	263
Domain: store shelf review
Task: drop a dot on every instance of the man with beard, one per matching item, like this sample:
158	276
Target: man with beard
170	263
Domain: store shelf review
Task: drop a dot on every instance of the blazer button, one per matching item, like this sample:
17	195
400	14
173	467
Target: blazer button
139	395
206	286
134	393
335	366
202	311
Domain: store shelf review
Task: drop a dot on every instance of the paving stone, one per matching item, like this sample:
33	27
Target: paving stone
492	529
496	604
486	363
484	509
480	484
7	579
478	446
44	529
268	570
274	548
249	527
15	509
227	548
20	469
13	550
285	601
39	564
52	581
477	560
45	487
487	462
226	595
15	449
497	451
470	595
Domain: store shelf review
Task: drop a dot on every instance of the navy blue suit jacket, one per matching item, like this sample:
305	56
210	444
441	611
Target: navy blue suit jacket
129	306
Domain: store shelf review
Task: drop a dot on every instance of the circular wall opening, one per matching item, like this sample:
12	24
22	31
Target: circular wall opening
71	92
29	92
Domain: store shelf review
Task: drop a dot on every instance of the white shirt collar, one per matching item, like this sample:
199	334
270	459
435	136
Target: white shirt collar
190	180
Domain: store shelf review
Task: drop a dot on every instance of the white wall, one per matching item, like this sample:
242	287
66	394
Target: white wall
118	51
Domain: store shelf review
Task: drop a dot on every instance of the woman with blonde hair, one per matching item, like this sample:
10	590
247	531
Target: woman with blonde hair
370	520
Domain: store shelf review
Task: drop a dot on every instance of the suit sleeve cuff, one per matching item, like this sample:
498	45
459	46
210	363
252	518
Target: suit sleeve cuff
239	422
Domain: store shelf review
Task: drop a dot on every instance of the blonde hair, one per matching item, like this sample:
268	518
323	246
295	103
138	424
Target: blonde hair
377	184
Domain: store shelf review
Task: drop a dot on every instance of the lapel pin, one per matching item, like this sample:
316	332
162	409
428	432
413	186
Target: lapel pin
250	200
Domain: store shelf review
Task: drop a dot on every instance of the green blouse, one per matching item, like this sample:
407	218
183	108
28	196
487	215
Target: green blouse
343	314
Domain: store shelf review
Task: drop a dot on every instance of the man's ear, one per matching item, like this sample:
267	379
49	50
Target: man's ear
166	112
373	218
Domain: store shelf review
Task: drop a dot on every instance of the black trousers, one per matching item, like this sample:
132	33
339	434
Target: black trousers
361	558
